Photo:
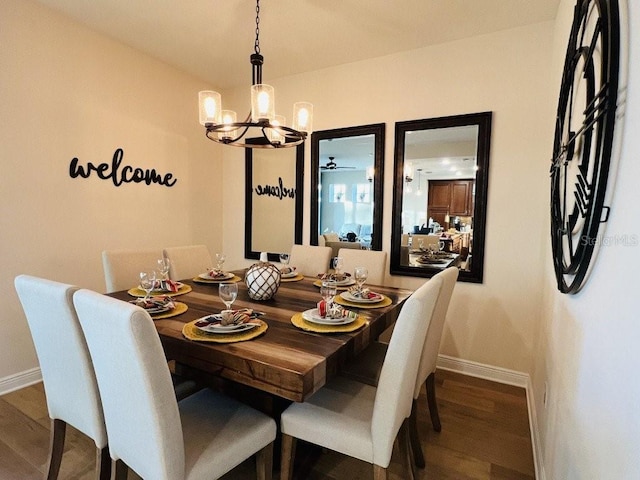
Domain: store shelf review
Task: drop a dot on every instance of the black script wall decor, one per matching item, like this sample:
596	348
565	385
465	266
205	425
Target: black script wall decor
119	176
276	191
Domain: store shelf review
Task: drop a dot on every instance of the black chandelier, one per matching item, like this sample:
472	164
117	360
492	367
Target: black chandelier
268	130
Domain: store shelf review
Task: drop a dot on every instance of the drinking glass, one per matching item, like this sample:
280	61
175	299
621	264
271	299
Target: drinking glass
360	274
284	259
441	245
228	293
164	264
147	282
338	263
220	258
328	290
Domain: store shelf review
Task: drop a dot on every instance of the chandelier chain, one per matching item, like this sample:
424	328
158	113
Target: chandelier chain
257	43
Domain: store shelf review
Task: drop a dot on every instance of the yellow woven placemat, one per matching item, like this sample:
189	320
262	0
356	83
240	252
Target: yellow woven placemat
138	292
385	302
179	309
192	332
297	278
318	283
215	282
302	324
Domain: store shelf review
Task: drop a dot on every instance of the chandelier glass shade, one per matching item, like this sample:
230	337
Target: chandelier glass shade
262	128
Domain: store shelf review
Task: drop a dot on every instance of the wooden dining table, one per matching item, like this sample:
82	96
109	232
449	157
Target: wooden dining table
284	361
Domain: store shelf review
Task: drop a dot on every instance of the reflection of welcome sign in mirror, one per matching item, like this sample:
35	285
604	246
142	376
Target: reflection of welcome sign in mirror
347	168
273	200
440	195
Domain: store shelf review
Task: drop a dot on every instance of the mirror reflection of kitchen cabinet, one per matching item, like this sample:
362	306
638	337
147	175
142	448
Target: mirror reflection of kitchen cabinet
449	198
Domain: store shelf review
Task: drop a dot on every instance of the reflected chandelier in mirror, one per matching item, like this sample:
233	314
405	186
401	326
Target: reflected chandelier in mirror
440	195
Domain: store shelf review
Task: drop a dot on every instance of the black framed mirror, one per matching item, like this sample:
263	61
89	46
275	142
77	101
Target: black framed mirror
347	169
274	191
440	195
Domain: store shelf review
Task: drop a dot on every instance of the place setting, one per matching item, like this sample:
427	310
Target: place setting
328	316
157	306
217	274
360	297
342	280
228	326
288	273
159	286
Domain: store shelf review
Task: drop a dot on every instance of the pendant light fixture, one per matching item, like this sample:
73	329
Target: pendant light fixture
265	129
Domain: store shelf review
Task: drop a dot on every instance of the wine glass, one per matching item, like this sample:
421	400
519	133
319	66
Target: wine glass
228	293
147	282
220	258
360	274
284	259
328	290
441	245
164	264
338	263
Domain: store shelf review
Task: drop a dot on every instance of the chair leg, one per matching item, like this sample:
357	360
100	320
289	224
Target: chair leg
414	436
431	400
287	457
56	447
405	450
379	473
121	470
103	464
264	463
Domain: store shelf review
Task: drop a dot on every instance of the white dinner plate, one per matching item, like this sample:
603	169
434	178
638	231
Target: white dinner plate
156	309
351	298
224	329
313	316
289	275
206	276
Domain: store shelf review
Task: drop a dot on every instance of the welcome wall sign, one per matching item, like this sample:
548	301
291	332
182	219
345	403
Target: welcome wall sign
118	175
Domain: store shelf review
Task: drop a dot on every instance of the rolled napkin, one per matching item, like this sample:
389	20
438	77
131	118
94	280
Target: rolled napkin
286	270
334	311
160	301
166	285
364	293
216	273
235	317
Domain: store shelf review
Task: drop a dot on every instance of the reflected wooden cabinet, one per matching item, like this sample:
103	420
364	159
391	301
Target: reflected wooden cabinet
453	197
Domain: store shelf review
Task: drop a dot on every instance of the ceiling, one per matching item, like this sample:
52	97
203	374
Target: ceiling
212	39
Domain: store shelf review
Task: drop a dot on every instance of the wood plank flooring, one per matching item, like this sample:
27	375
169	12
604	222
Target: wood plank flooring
485	435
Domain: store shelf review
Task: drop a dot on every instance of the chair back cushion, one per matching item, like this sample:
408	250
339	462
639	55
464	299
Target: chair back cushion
434	333
67	373
122	267
188	261
394	394
310	260
374	261
140	407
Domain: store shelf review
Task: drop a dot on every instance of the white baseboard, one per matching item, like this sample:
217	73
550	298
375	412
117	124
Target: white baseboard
20	380
508	377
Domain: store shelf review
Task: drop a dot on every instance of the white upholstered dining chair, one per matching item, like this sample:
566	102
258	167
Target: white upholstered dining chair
373	260
310	260
122	267
188	261
360	420
201	437
367	366
67	373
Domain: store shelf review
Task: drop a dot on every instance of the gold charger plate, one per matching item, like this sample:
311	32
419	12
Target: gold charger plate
138	292
385	302
302	324
215	282
191	332
179	309
297	278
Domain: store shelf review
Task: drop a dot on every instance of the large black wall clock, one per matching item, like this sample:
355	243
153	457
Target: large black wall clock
584	139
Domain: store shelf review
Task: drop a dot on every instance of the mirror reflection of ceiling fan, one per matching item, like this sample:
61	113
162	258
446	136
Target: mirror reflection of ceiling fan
331	165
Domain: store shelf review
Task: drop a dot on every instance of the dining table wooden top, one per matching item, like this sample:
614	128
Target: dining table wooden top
285	361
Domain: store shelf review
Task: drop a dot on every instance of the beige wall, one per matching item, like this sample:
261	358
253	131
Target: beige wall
508	73
588	353
68	92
